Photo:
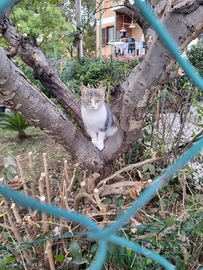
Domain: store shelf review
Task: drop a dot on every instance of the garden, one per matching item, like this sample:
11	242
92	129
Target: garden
170	224
36	162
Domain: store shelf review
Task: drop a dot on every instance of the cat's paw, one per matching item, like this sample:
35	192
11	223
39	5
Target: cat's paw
100	146
95	143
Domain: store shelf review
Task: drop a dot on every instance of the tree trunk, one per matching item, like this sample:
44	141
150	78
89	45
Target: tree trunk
22	135
79	37
184	20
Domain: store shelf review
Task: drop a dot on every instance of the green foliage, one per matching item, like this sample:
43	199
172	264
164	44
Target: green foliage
14	122
91	71
195	56
77	253
87	25
9	164
52	26
43	24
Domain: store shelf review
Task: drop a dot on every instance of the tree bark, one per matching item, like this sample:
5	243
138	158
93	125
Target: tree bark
130	101
78	21
35	58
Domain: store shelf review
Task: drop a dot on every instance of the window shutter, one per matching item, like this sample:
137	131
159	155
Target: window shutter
104	36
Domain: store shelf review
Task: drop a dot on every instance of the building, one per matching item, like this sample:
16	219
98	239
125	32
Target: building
120	34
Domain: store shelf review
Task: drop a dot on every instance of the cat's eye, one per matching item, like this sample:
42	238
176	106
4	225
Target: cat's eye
97	101
88	100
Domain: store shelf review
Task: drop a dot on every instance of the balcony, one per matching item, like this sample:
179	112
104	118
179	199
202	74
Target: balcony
119	6
128	46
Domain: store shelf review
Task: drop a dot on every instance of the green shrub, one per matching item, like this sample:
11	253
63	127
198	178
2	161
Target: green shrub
195	56
14	122
91	71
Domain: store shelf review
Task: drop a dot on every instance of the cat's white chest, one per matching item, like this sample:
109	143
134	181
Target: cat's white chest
94	119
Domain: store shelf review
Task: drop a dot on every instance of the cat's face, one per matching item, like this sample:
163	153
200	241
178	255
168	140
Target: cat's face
92	98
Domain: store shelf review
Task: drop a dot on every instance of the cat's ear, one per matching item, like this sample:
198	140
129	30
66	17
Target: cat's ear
83	89
103	89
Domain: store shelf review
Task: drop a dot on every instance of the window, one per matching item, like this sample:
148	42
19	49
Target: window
107	35
110	33
104	39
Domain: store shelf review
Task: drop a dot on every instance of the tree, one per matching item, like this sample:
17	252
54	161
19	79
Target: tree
130	102
87	26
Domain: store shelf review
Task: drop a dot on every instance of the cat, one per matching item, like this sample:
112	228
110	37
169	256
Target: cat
99	121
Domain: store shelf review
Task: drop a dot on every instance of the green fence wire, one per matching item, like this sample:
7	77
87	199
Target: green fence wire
108	234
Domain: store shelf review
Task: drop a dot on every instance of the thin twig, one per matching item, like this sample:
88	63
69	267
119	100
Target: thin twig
49	261
161	203
32	176
91	182
82	194
71	184
15	230
130	167
23	179
66	172
47	178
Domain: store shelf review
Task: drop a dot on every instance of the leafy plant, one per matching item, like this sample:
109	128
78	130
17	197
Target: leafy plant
77	253
9	162
14	122
91	71
195	56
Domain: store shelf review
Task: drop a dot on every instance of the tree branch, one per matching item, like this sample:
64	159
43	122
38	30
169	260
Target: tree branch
21	95
35	58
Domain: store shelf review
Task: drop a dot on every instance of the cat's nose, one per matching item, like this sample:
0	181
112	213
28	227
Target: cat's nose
93	107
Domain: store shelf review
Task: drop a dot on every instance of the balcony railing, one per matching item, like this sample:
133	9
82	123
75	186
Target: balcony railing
128	46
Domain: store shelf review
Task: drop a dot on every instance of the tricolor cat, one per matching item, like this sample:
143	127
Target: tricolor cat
99	122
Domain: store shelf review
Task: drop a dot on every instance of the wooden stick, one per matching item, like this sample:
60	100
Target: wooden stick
23	179
49	261
162	207
99	203
47	178
96	196
91	182
69	189
15	230
32	176
22	175
29	232
123	187
45	225
82	193
130	167
66	172
63	195
49	253
47	182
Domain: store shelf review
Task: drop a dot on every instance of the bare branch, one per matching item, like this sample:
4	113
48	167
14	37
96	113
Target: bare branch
35	58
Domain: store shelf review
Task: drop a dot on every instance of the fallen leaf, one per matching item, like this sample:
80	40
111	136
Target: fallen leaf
181	72
139	173
132	193
134	223
17	183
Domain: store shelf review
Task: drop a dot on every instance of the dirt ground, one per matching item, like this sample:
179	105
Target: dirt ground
38	143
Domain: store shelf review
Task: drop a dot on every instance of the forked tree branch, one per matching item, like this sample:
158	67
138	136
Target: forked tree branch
35	58
131	104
